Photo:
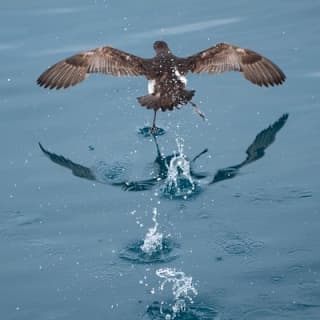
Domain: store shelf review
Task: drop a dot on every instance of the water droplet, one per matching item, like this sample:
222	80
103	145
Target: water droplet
182	288
153	239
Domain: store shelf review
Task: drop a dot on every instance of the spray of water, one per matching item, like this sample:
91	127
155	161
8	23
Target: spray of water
182	289
153	240
179	181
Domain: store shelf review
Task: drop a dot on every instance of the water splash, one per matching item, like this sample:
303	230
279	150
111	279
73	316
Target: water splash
182	289
179	182
156	247
153	240
179	165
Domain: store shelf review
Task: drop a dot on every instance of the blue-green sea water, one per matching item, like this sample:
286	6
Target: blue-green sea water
242	220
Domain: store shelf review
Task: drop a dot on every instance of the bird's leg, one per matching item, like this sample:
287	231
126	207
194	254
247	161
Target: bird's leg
154	127
197	110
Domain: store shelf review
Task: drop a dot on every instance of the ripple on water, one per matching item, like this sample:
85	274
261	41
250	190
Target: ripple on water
167	253
107	173
294	310
196	311
242	247
280	195
261	314
236	244
14	224
277	278
146	132
183	189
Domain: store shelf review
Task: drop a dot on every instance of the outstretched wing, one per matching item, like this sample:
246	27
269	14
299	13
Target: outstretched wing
227	57
108	60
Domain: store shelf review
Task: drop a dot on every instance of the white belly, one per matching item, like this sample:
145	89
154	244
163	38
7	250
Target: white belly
182	78
151	84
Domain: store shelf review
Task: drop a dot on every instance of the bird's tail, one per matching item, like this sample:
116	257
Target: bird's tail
151	101
167	102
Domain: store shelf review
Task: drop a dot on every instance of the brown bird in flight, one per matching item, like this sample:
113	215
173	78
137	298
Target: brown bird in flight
165	72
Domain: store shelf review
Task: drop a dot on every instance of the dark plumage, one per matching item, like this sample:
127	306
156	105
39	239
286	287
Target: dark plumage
165	72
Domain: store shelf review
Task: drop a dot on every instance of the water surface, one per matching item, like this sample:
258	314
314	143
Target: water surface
248	233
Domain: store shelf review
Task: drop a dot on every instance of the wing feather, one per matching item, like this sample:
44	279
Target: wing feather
107	60
227	57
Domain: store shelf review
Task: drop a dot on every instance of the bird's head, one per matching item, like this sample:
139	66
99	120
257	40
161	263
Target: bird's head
161	47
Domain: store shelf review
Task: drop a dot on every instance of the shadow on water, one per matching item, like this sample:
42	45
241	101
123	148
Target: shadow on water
111	174
255	151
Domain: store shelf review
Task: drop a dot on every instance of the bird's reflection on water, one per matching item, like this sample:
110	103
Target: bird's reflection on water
255	151
111	175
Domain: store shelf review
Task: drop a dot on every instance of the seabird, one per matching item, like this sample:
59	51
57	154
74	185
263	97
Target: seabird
166	73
